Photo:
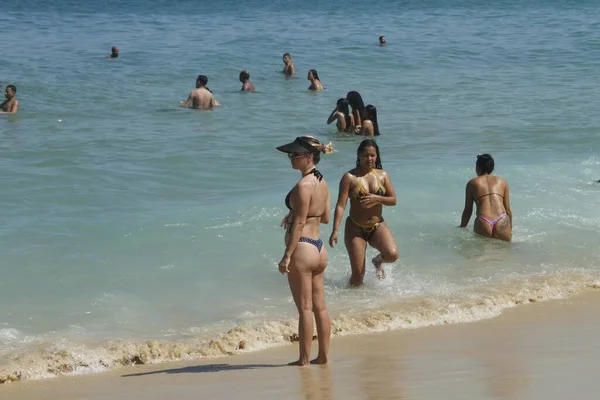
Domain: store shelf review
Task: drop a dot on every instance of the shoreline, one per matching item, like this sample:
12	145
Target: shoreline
519	354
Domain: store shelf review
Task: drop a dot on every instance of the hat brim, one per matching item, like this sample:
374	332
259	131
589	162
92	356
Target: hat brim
293	147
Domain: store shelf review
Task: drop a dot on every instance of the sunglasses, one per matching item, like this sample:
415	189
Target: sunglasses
293	156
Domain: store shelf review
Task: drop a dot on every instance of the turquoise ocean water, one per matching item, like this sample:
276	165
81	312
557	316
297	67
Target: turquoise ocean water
134	231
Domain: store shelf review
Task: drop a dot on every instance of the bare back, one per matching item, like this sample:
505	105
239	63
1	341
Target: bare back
318	207
488	193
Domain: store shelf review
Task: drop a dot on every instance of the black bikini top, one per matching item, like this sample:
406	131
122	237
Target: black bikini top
319	176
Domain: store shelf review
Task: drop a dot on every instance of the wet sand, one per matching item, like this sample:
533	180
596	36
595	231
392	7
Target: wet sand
545	350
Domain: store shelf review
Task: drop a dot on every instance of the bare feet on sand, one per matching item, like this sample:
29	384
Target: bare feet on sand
298	364
378	263
319	361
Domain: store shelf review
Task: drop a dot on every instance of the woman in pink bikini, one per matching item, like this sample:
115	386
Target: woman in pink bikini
492	197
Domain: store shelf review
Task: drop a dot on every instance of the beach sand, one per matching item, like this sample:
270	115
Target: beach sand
544	350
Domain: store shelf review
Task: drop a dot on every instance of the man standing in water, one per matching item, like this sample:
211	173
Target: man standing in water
114	52
247	86
10	105
288	68
201	98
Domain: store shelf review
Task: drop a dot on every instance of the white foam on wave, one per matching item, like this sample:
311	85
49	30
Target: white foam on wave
482	302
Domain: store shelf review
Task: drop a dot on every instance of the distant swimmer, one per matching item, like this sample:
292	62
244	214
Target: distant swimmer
369	188
492	197
382	40
10	105
114	52
247	86
315	82
341	114
358	110
288	68
201	98
370	127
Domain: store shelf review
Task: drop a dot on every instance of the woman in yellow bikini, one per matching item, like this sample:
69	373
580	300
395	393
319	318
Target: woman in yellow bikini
369	188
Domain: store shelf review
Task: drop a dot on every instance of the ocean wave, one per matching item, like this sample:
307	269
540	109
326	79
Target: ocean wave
483	302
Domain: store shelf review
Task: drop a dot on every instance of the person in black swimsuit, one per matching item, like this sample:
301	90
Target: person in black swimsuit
305	258
369	188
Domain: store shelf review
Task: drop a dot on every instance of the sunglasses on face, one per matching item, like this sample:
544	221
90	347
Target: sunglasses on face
293	156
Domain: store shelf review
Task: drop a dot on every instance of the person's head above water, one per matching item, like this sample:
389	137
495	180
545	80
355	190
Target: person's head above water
114	52
356	102
202	80
287	58
306	145
484	164
244	76
10	91
313	74
371	112
382	40
367	149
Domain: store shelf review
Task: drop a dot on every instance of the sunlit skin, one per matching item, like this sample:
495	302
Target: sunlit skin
11	104
302	262
366	210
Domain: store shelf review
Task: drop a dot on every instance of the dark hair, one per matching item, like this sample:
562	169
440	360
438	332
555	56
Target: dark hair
485	163
356	102
368	143
13	87
202	79
314	73
244	75
342	105
287	54
381	37
372	115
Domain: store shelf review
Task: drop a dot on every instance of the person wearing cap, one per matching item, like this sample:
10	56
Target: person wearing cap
305	257
369	188
492	197
201	98
10	105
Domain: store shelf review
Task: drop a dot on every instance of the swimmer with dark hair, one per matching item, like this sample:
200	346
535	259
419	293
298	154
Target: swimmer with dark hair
288	68
114	52
315	82
492	198
382	40
247	86
10	105
201	98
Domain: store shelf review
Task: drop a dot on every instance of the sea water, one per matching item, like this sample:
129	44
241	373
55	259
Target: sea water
134	231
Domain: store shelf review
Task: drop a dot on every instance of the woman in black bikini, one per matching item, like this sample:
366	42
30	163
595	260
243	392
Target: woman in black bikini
492	197
369	188
305	258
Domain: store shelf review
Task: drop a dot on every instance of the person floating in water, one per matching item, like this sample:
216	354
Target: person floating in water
201	98
247	86
369	188
492	197
315	82
382	40
288	68
10	105
114	52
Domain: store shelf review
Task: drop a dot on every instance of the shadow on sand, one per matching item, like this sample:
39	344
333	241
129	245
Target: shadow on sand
205	368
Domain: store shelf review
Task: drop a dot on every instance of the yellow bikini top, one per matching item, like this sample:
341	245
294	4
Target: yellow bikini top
380	191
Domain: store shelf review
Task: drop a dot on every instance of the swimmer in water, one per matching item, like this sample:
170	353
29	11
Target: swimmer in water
341	114
382	40
315	82
247	86
201	98
492	198
11	104
288	68
114	52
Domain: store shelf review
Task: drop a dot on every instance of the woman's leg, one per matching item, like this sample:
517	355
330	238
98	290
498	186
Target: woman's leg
320	311
300	281
383	240
356	246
